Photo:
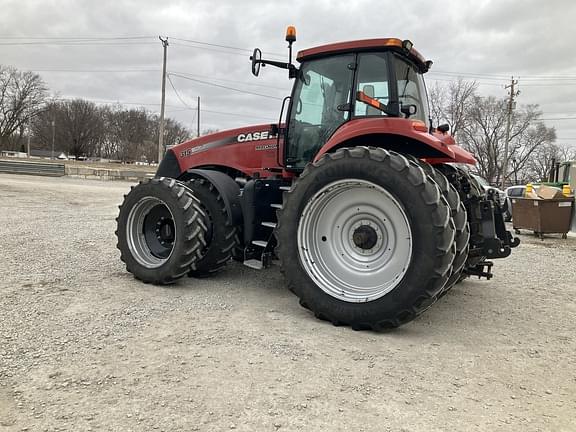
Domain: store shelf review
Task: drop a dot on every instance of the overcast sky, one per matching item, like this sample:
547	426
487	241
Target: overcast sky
488	41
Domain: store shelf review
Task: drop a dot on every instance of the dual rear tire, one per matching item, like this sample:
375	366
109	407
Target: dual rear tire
161	231
167	229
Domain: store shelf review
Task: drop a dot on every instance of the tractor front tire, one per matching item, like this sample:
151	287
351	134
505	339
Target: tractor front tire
161	231
221	235
365	238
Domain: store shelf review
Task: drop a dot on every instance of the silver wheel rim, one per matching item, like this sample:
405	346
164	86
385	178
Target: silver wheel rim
354	240
139	242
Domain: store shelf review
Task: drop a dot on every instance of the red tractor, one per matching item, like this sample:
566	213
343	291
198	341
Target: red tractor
360	199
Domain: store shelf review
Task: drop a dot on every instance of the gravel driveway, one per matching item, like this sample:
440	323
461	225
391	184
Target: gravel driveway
84	346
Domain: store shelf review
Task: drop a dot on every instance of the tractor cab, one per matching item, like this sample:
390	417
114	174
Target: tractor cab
342	82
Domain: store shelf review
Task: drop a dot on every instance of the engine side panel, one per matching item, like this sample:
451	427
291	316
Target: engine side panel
250	150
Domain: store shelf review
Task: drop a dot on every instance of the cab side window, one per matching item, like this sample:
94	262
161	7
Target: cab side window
373	81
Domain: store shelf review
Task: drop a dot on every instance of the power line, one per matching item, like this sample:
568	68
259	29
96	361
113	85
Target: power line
177	94
228	80
223	46
78	43
77	37
532	84
477	82
177	107
225	87
230	114
122	40
148	71
91	70
209	49
195	109
559	118
504	77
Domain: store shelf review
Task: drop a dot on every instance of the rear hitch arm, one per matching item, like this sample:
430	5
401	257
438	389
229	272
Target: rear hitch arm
496	241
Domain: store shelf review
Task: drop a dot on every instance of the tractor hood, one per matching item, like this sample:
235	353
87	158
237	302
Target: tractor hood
248	150
247	134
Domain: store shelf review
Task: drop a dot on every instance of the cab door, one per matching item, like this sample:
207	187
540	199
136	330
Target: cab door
320	104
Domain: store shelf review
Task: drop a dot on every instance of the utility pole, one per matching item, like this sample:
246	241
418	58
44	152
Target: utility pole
198	116
513	94
53	135
28	137
162	106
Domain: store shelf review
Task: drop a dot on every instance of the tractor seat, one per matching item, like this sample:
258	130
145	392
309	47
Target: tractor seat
368	90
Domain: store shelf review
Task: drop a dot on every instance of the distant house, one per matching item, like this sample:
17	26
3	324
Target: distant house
14	154
47	154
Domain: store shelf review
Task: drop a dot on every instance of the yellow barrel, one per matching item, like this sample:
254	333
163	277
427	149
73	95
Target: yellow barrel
528	189
566	190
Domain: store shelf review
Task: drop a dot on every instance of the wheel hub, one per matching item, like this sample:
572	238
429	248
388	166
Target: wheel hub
365	237
165	231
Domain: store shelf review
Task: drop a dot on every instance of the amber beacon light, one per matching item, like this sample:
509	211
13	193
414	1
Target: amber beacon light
291	34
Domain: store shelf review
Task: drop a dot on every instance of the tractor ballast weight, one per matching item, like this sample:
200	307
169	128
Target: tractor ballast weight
362	201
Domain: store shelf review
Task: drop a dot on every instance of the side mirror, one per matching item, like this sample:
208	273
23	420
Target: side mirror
256	57
443	128
409	110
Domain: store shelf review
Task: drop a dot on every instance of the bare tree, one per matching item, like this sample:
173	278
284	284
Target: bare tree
541	164
485	133
450	103
532	146
566	153
128	131
21	97
76	127
132	135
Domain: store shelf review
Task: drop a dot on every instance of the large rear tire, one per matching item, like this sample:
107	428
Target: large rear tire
221	235
365	238
160	231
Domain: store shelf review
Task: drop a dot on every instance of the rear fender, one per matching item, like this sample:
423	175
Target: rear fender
397	135
226	187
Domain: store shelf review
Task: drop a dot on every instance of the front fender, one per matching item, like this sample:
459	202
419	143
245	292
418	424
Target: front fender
169	166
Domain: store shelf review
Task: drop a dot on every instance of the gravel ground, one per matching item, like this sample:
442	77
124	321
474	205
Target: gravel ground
84	346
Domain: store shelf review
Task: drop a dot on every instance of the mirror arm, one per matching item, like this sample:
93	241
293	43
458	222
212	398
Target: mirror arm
292	70
281	65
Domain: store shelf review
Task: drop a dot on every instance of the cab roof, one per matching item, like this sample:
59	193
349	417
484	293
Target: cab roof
393	44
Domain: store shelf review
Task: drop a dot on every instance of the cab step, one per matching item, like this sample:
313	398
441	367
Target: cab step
254	263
